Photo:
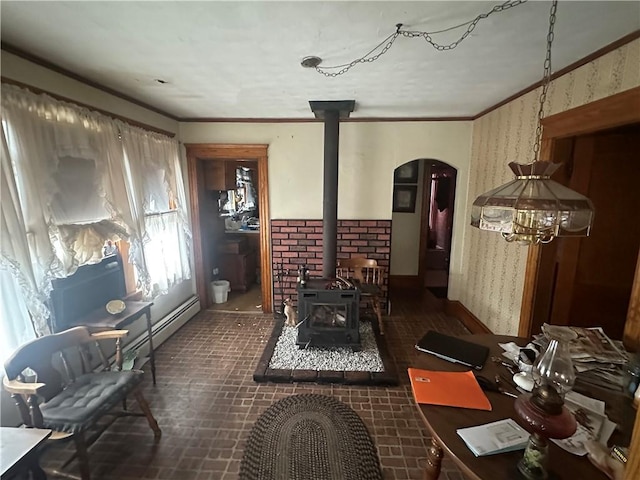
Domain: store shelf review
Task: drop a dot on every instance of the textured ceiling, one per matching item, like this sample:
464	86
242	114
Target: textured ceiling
242	59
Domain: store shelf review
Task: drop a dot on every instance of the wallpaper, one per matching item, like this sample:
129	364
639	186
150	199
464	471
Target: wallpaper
493	274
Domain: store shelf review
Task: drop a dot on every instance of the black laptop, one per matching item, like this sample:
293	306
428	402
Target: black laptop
453	349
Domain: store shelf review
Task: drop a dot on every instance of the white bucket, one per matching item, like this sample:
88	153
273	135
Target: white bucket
220	290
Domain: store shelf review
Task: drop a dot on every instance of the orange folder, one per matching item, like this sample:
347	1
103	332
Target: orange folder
453	389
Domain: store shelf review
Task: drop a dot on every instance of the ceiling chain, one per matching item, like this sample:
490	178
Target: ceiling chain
546	79
387	43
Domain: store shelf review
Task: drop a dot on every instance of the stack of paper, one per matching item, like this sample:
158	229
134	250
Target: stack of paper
496	437
596	358
593	423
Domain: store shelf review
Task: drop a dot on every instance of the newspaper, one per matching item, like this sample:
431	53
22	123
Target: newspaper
593	423
590	345
596	358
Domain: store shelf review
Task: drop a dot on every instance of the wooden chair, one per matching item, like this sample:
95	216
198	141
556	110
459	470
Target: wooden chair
369	277
66	402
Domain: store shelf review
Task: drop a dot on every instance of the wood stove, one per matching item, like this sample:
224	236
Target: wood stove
328	317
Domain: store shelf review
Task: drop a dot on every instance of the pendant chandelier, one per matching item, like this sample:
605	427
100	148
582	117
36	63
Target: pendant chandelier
532	208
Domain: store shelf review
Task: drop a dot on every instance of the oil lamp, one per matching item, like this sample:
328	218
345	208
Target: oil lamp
542	412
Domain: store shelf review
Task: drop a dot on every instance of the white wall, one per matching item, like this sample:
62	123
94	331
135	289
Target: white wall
369	152
405	234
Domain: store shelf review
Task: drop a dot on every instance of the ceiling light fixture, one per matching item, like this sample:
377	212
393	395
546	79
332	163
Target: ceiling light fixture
534	209
311	62
384	46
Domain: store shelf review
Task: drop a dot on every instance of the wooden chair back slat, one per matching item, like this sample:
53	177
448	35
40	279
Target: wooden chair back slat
365	270
71	376
103	358
38	356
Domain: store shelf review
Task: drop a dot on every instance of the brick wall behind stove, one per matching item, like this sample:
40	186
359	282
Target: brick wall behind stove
297	242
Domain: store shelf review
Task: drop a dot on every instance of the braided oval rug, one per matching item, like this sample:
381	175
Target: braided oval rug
309	437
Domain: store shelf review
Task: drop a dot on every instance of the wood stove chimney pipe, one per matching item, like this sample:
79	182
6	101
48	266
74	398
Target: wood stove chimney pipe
331	112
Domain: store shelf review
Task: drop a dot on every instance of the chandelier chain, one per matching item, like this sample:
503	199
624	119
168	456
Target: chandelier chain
546	79
389	41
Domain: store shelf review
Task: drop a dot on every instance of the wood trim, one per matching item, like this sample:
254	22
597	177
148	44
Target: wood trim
631	336
320	120
620	109
473	323
599	115
127	267
68	73
266	276
632	468
196	151
135	123
529	291
589	58
228	151
404	282
196	232
425	212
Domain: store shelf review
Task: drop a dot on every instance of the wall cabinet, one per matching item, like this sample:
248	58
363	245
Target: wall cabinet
220	175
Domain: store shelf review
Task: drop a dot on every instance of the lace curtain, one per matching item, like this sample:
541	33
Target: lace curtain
73	178
161	246
68	165
17	267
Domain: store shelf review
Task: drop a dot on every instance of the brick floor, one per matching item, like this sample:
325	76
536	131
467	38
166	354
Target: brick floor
206	402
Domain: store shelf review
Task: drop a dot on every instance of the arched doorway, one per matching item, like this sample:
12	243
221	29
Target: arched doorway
422	225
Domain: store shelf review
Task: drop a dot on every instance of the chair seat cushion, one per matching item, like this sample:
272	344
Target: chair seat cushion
370	290
80	405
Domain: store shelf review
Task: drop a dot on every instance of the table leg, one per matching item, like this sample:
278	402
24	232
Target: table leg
37	473
152	356
434	461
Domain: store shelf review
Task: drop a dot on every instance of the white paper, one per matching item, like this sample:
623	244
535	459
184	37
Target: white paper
593	423
496	437
586	402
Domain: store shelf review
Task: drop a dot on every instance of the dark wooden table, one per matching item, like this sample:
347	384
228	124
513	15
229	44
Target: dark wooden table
100	319
443	422
19	451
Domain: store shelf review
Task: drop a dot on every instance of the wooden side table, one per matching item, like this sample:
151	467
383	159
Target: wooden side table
19	451
99	319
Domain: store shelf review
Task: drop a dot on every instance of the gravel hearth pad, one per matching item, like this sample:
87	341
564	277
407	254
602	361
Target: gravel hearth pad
282	361
287	355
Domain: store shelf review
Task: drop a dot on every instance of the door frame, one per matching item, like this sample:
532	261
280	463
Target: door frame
223	151
610	112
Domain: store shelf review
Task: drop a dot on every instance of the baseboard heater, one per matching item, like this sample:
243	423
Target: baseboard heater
165	327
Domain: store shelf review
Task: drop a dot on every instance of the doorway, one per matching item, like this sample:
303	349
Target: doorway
589	132
588	280
436	226
237	246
